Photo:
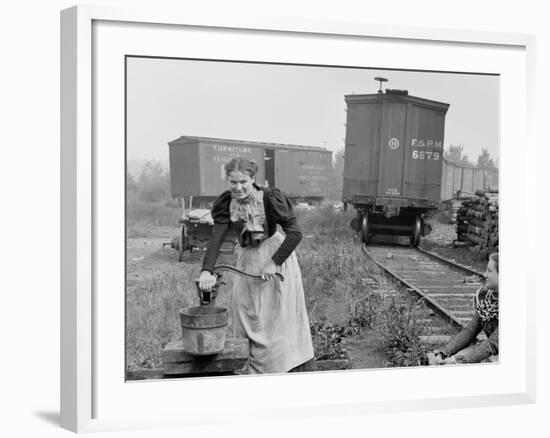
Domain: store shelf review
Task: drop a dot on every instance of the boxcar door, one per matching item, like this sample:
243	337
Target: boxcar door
286	172
392	146
423	162
269	160
361	153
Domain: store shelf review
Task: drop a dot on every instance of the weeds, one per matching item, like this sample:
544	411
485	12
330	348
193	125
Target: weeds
334	274
152	315
152	213
398	324
329	341
325	222
152	318
364	311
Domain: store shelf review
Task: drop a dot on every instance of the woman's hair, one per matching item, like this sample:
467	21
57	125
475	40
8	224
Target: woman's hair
494	258
243	165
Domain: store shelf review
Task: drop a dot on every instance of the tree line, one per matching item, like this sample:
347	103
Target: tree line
484	160
151	184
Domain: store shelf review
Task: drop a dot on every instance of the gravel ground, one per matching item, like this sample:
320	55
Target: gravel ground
440	241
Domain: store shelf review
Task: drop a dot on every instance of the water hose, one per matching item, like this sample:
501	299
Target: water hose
227	268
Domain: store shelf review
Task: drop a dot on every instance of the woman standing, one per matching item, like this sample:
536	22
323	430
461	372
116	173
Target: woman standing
459	350
270	313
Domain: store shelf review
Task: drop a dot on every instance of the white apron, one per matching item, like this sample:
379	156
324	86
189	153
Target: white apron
271	314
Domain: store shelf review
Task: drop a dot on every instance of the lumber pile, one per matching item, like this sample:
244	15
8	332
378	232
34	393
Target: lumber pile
477	222
456	203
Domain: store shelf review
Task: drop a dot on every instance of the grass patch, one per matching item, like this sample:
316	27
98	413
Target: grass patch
152	213
143	218
152	319
397	322
152	312
332	264
335	276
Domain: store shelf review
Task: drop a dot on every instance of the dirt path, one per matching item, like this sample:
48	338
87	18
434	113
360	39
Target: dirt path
366	350
147	259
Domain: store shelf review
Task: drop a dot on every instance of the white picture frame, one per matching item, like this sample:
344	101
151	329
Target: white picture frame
92	392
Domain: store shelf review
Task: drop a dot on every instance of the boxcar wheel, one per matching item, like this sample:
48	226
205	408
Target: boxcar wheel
417	231
365	229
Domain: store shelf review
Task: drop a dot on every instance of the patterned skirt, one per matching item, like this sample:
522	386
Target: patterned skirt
271	314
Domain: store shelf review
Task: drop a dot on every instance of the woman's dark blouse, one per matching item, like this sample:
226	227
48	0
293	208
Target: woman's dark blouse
278	210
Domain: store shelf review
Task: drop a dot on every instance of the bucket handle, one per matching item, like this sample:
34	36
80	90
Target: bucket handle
227	268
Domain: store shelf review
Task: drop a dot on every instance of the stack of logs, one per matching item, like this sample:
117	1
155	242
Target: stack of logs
454	205
477	222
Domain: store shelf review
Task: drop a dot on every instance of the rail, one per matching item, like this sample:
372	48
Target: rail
440	282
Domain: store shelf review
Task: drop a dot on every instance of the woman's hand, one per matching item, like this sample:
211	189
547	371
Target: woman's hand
451	360
269	271
435	358
207	281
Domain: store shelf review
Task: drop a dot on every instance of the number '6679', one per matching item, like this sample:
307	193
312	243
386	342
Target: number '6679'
425	155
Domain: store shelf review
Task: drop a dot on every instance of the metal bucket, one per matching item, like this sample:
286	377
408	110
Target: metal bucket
203	329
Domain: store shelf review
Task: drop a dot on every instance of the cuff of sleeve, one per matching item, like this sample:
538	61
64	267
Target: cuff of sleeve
278	260
477	354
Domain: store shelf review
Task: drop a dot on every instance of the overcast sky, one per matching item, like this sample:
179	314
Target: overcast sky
287	104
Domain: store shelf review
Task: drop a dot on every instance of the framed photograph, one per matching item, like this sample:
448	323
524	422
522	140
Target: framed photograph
156	107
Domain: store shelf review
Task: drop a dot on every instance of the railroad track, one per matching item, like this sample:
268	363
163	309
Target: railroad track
447	288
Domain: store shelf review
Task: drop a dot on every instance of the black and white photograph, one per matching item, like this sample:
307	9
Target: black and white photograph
276	219
287	218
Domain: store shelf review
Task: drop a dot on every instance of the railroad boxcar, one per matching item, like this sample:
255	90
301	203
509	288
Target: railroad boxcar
197	177
393	161
466	179
196	167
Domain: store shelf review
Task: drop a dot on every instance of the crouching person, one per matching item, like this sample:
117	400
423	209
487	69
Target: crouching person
459	350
